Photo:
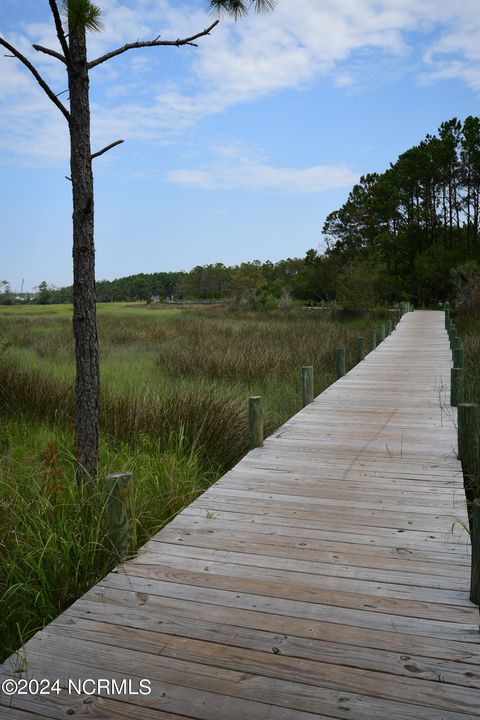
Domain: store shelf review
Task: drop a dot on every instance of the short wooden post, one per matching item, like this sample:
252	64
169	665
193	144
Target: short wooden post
360	349
456	386
389	327
458	355
121	513
340	362
307	385
255	421
475	539
373	339
456	342
382	332
468	425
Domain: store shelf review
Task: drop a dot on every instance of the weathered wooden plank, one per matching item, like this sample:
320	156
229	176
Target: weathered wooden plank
266	546
297	586
362	517
409	585
314	539
464	632
454	702
276	665
90	619
416	542
328	572
126	605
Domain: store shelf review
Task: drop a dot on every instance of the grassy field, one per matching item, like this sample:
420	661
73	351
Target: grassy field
175	384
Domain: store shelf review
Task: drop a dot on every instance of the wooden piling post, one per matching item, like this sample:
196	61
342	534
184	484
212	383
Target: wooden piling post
458	357
382	332
360	349
456	386
389	327
340	362
475	576
373	340
456	342
468	425
121	513
255	421
307	385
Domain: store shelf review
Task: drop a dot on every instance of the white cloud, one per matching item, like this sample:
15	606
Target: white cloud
237	165
250	175
300	43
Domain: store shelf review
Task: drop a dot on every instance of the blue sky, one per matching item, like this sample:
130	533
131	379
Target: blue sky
234	150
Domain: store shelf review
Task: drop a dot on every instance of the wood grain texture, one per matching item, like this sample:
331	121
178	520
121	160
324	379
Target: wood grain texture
325	576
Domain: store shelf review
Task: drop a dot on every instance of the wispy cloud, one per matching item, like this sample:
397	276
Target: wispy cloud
235	169
300	43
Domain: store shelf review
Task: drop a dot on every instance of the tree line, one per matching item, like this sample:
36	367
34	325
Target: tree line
413	231
410	233
252	283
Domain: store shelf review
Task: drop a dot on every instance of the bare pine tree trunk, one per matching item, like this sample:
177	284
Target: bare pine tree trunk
87	385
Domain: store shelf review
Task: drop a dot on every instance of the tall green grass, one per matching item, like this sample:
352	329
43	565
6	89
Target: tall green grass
471	343
53	534
162	371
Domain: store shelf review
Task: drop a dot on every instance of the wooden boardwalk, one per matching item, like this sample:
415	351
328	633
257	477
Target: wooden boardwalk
325	576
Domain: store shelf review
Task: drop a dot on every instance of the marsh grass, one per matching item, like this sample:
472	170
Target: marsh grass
165	370
174	399
471	343
53	534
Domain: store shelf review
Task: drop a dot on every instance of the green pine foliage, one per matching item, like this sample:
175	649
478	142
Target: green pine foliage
83	14
416	221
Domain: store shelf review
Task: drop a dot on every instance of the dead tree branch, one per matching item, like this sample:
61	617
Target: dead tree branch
152	43
107	148
59	28
47	51
16	53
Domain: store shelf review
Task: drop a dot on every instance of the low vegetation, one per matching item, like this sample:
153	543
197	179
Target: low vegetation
174	390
